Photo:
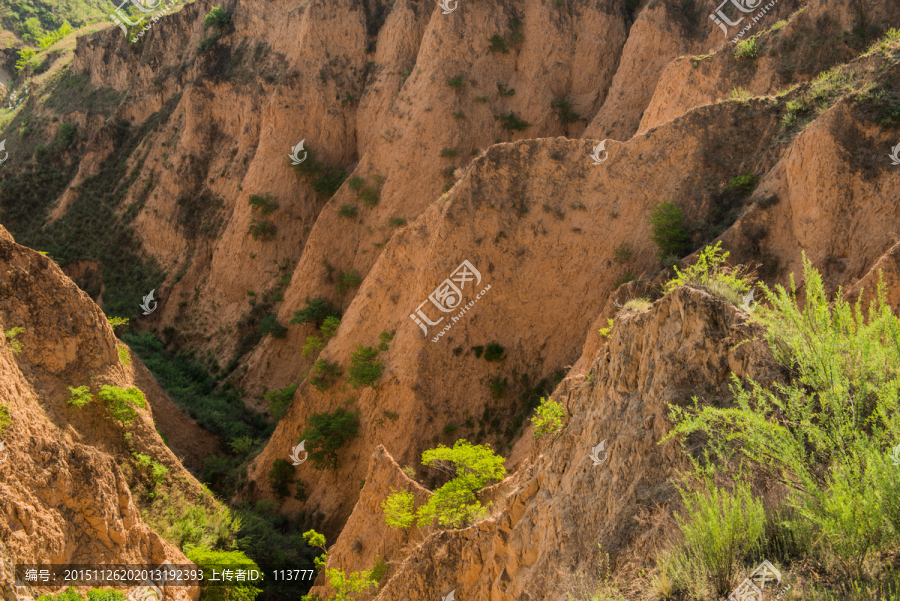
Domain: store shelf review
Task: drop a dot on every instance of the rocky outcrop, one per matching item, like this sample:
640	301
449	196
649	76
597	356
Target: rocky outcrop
64	498
548	526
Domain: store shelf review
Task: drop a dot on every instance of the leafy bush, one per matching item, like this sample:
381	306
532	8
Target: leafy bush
512	122
564	111
269	325
494	352
746	49
498	44
721	528
263	204
396	222
370	196
743	185
355	182
364	370
498	387
124	357
280	477
623	253
669	232
209	560
324	374
115	322
385	338
329	182
120	402
502	91
455	503
348	211
548	418
398	509
279	400
316	311
81	396
347	281
15	346
456	82
156	471
326	434
217	17
449	153
5	420
711	273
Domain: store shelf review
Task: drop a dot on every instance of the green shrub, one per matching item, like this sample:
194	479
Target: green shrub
668	230
124	357
459	116
711	273
370	196
548	417
348	280
279	401
81	396
280	477
217	17
269	325
15	346
477	351
364	370
494	352
498	387
626	277
355	182
120	402
516	36
208	560
455	503
348	211
263	204
746	49
243	444
324	374
512	122
456	82
502	91
115	322
450	429
329	182
564	111
398	509
396	222
742	185
498	44
721	528
316	311
449	153
326	434
262	230
623	253
385	338
5	420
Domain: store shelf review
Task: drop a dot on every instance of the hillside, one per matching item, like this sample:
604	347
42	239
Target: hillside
445	257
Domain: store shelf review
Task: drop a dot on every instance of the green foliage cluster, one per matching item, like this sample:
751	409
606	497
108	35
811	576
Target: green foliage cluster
512	122
280	477
208	560
279	400
11	334
746	49
120	402
711	273
348	211
493	352
456	82
364	370
217	17
828	431
269	325
96	227
454	504
314	344
316	311
623	253
498	44
503	91
548	417
96	594
326	434
81	396
216	408
669	233
565	112
115	322
325	181
345	587
324	374
156	471
5	420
